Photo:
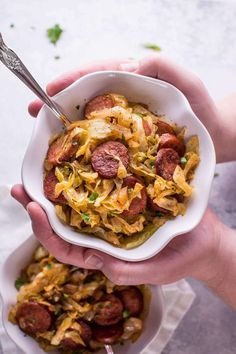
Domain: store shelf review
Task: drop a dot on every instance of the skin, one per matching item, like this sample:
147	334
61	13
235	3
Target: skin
208	253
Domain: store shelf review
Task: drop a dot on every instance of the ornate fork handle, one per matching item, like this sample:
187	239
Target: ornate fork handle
10	59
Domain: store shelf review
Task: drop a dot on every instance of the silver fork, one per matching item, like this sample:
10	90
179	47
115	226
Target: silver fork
11	60
109	349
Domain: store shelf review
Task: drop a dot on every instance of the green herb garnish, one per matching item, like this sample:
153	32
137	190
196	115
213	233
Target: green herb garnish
65	296
58	312
85	217
126	314
93	196
152	46
152	163
140	115
49	266
183	160
159	214
54	33
18	283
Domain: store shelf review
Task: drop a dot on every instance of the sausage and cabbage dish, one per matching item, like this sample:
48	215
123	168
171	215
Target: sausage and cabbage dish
76	310
121	172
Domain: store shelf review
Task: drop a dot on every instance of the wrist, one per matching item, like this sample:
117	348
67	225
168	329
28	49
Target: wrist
220	270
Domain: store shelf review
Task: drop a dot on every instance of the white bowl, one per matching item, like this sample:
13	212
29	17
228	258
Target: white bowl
10	271
161	98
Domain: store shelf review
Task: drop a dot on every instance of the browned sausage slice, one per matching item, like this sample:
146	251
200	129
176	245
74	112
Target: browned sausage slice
164	128
49	183
171	141
61	149
98	103
166	162
108	310
147	128
132	299
108	334
86	334
138	204
33	317
104	158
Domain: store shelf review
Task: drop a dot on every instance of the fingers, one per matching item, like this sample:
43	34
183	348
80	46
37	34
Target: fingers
20	195
68	78
157	270
62	250
191	86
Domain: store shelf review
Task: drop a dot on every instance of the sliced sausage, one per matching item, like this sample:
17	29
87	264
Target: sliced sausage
108	310
164	128
104	158
98	103
138	204
132	299
147	128
108	334
166	162
153	206
62	149
49	184
171	141
33	317
86	334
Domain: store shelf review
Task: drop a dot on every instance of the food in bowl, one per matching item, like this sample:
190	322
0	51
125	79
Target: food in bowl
72	309
121	172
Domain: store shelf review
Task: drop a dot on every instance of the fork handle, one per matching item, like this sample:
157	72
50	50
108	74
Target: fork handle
11	60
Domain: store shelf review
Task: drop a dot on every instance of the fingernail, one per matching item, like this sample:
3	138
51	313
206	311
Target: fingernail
93	261
131	66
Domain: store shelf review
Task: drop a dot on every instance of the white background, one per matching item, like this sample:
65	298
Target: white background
198	34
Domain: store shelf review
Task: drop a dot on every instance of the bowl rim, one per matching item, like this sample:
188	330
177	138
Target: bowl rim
127	254
156	290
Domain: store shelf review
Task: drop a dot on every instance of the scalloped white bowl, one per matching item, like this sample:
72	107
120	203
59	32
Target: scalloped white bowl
161	98
10	271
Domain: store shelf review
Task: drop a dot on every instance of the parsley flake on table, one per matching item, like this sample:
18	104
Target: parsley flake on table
152	46
54	33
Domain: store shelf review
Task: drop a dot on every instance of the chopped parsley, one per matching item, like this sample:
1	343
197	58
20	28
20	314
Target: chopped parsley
140	115
159	214
65	296
183	160
54	33
152	163
93	196
152	46
58	312
126	314
85	217
49	266
18	283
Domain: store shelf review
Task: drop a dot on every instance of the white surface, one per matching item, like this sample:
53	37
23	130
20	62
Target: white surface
197	33
160	98
19	258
